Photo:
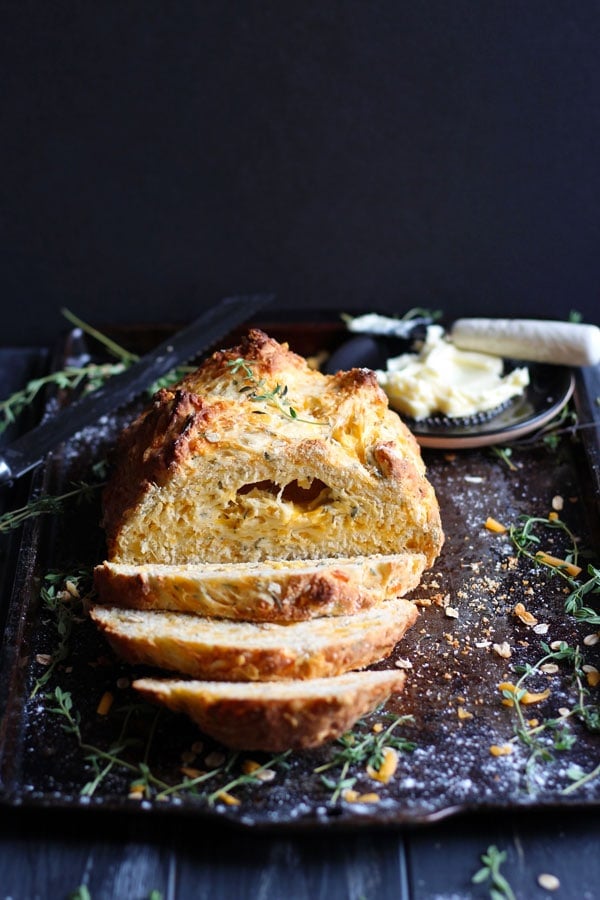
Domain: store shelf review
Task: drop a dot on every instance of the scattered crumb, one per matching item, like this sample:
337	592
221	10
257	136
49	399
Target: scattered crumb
526	617
403	664
548	882
549	668
503	650
215	759
191	772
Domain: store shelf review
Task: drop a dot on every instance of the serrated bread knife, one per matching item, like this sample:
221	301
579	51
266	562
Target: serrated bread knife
29	450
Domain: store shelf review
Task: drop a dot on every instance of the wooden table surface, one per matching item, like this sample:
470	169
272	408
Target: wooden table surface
51	854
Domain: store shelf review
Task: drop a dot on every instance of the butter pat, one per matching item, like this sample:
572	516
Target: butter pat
440	378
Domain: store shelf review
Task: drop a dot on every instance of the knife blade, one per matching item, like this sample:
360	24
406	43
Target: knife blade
30	450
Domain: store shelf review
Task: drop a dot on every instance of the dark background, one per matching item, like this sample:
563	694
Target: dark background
156	156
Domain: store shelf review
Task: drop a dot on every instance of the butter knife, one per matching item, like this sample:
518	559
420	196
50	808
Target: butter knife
30	450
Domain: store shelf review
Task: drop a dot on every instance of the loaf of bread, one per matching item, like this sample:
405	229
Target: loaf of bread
222	650
278	591
257	457
279	715
263	522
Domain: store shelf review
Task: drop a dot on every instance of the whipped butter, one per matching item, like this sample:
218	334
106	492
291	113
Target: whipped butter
441	379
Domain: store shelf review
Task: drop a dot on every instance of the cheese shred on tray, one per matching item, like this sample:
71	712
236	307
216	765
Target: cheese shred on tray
259	490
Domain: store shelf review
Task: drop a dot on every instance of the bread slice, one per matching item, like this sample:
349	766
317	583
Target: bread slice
275	716
277	591
222	650
256	456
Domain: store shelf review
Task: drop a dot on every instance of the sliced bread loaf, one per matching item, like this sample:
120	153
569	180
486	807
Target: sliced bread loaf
222	650
275	591
275	716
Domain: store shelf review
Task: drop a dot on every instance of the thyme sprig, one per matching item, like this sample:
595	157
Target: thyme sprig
126	357
580	778
492	860
553	734
565	424
51	504
90	376
252	777
504	454
80	893
120	754
257	391
527	542
102	761
63	595
359	747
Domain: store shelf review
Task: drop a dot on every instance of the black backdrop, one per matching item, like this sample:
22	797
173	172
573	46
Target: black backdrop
362	155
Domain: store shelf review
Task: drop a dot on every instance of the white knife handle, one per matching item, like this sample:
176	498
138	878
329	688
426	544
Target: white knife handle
538	340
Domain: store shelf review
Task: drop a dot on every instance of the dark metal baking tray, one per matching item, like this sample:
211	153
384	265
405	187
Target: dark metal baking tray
452	690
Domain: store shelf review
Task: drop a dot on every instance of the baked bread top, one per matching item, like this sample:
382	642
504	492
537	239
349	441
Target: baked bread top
256	456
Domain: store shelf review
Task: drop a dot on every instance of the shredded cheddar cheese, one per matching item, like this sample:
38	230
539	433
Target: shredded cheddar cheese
106	701
549	560
387	768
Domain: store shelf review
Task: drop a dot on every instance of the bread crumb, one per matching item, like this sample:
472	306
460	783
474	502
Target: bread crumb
215	759
526	617
502	650
191	772
548	882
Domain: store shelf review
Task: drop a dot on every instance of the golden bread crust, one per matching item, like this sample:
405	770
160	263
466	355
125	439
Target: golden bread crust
277	591
256	456
232	651
275	716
